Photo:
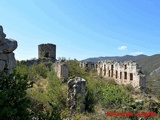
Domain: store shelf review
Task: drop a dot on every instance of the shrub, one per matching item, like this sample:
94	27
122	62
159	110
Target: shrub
111	82
129	87
74	69
13	101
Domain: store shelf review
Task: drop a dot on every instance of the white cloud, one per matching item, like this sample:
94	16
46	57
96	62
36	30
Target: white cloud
122	48
136	53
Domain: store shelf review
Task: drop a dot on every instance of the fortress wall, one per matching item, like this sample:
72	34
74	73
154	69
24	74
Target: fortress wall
127	72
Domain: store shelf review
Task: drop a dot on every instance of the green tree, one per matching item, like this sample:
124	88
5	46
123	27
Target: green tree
74	69
14	103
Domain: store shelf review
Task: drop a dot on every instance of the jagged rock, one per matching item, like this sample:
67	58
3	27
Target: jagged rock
76	86
2	64
139	101
2	35
11	62
7	46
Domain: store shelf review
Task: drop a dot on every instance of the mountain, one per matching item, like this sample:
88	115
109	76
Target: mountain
151	67
117	58
149	63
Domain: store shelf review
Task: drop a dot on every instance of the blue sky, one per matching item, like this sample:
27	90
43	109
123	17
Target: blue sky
83	28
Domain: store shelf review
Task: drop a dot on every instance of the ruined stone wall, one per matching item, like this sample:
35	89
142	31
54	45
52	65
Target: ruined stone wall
47	51
7	46
61	68
76	95
124	73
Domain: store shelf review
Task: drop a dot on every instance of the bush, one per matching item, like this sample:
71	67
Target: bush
74	69
33	72
13	101
111	82
90	101
129	87
113	96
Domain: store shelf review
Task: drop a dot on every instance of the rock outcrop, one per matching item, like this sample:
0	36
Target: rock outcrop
76	94
7	46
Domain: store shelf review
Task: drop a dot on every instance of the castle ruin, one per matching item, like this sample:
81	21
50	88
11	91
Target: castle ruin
47	51
61	68
127	72
76	94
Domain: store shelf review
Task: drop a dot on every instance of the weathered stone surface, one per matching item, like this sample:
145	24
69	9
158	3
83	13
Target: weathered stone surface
2	65
139	101
2	35
127	72
11	62
61	68
7	46
76	87
47	51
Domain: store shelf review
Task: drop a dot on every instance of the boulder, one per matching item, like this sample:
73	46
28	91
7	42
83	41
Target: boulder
8	45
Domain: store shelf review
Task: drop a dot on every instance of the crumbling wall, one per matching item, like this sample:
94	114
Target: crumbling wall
61	68
127	72
76	94
47	51
7	46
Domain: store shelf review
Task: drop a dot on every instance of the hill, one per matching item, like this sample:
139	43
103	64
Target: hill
150	66
117	58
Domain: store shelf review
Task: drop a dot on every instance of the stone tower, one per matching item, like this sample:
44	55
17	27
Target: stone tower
47	51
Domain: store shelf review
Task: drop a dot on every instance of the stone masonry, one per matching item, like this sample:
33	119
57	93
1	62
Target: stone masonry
47	51
61	68
7	46
76	94
47	55
127	72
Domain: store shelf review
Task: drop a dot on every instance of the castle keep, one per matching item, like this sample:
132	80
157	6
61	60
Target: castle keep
47	51
128	72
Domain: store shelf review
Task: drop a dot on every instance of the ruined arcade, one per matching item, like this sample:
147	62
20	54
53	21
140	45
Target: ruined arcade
128	72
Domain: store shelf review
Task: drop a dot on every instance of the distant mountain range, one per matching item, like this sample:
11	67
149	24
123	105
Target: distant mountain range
150	66
117	58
